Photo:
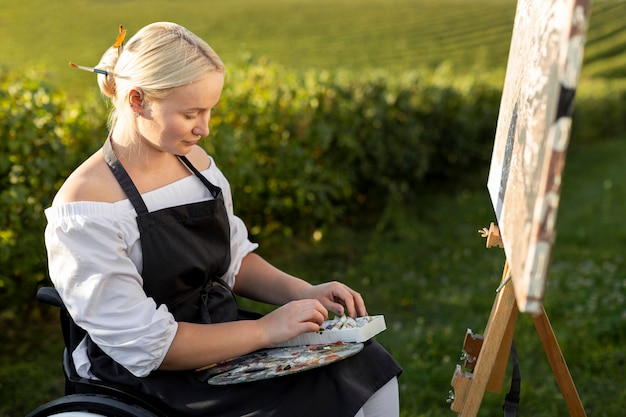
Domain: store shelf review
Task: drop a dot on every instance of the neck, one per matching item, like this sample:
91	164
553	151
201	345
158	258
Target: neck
139	157
148	167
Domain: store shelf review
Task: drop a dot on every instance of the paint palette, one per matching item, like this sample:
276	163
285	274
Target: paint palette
277	362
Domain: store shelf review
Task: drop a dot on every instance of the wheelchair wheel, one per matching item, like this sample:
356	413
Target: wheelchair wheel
89	405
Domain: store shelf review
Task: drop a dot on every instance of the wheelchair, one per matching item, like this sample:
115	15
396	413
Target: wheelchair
85	398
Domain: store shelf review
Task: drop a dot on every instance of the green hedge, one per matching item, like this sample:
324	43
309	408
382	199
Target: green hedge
599	110
303	151
37	136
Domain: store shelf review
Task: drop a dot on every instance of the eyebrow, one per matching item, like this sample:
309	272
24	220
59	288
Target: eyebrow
203	108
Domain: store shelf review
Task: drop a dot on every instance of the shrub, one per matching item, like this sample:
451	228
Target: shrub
30	153
302	150
599	110
35	126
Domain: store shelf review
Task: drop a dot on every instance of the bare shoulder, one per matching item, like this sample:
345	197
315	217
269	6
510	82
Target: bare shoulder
91	181
199	158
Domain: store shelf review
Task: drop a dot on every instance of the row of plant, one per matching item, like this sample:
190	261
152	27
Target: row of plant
606	39
325	34
303	151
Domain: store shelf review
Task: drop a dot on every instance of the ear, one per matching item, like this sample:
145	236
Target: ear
135	99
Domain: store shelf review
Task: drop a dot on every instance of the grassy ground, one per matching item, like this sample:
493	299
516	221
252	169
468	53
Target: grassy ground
426	269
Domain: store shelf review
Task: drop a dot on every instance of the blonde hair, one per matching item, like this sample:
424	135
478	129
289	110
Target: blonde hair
158	58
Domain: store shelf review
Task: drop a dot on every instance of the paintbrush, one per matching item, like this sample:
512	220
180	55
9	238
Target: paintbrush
96	70
89	69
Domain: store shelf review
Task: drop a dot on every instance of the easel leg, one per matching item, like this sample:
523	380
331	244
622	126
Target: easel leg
559	367
490	368
491	365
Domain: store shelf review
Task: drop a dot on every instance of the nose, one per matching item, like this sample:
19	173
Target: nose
202	131
202	128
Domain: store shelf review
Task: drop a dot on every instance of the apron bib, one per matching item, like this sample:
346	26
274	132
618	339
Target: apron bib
185	249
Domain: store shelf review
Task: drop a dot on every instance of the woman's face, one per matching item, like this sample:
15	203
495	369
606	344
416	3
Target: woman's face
176	123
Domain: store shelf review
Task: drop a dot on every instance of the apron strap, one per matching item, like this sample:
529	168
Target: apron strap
123	178
129	187
214	189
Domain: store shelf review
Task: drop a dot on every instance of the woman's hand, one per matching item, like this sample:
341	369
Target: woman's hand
293	319
261	281
338	297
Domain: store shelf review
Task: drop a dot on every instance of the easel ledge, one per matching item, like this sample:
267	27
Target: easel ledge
486	357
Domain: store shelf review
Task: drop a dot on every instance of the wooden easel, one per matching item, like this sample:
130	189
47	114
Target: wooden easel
486	356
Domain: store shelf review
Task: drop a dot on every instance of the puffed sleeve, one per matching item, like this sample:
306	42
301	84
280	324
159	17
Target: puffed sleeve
240	245
88	248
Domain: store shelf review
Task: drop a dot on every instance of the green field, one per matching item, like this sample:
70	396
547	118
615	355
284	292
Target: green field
323	34
424	266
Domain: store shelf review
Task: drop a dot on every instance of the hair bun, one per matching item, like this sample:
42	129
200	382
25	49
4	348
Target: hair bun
107	83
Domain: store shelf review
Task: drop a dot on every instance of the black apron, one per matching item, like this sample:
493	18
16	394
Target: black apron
185	251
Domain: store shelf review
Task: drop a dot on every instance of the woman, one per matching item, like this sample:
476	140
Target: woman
146	252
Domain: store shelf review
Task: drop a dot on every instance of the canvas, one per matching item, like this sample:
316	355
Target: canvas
532	135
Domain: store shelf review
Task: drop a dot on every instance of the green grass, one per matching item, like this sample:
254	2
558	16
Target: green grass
324	34
427	270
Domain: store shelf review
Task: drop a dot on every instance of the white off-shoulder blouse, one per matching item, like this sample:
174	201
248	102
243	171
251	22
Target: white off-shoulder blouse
94	257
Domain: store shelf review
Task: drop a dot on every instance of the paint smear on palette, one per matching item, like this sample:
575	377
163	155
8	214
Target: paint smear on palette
277	362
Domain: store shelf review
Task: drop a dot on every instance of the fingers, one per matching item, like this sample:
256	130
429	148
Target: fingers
315	313
345	300
308	311
293	319
359	305
354	304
